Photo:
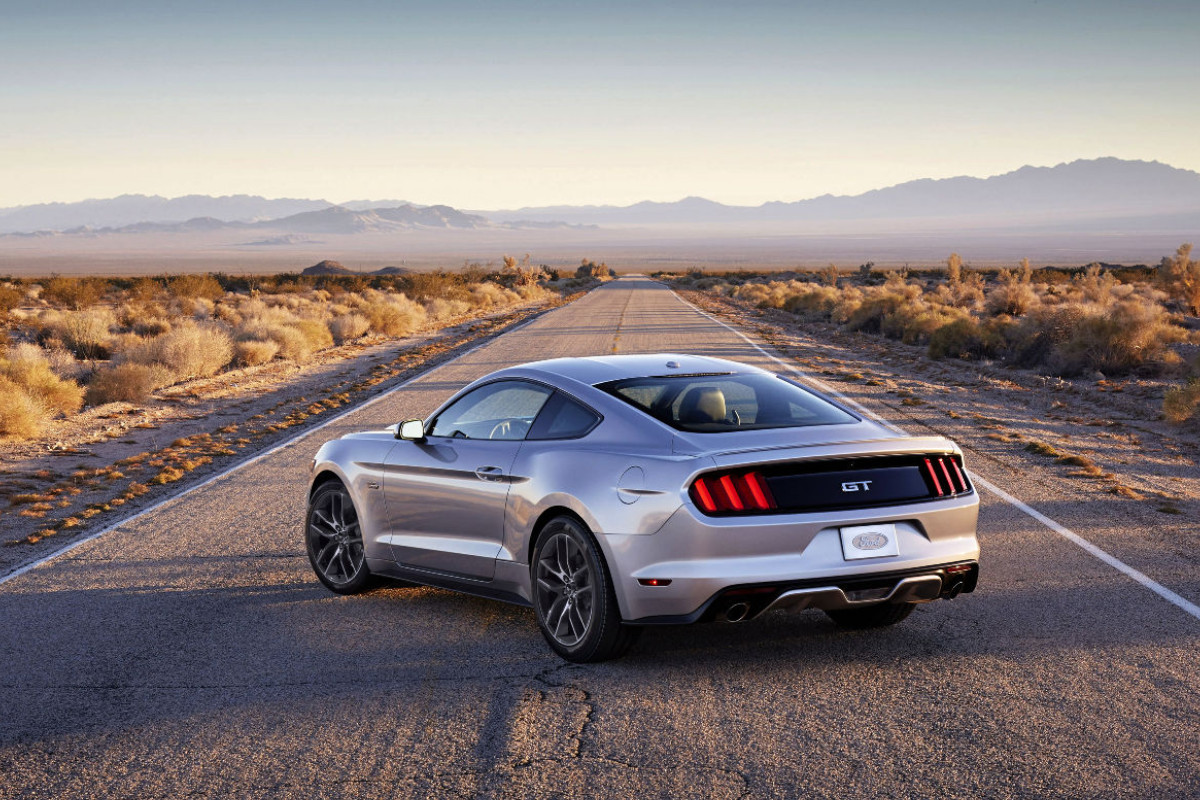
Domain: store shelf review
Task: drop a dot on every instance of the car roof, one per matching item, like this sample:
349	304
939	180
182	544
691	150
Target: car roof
601	369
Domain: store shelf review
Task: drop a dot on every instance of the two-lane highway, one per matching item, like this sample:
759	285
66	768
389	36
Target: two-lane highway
192	653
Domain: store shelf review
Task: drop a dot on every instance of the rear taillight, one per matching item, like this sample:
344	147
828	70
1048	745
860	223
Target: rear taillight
732	491
945	475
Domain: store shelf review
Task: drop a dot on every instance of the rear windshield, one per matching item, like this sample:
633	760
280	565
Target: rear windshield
722	403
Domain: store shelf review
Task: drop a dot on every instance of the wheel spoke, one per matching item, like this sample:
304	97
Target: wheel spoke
322	559
577	616
320	519
560	553
562	614
344	562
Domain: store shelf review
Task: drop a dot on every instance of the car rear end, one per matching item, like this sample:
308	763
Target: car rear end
830	526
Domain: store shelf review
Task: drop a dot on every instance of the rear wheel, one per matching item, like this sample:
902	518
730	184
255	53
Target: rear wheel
877	616
573	595
334	541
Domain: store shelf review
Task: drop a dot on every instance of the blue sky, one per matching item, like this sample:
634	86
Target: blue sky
494	104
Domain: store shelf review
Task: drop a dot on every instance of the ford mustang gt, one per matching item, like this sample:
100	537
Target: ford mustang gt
617	492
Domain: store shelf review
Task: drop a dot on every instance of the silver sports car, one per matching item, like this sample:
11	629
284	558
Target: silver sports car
617	492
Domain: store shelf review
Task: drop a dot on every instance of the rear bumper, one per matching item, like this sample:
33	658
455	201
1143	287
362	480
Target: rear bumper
739	603
790	561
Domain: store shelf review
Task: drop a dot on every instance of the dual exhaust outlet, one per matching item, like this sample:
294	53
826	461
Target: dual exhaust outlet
910	590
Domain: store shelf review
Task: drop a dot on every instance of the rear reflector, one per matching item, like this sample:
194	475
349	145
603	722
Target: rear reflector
732	491
654	581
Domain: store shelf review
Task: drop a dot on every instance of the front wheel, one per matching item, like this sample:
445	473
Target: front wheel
877	616
573	596
334	541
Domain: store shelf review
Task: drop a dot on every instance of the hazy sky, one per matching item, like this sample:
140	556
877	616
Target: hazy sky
494	104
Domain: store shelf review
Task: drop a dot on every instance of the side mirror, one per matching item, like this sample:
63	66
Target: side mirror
412	430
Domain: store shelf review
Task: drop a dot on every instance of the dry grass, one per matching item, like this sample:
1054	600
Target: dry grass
1181	402
158	331
131	383
1090	323
349	326
252	352
31	394
191	350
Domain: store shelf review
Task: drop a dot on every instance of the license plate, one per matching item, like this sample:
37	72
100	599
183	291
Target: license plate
870	541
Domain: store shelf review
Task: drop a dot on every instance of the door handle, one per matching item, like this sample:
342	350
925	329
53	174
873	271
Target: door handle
489	473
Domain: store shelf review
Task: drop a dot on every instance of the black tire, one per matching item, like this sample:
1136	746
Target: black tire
877	616
573	595
334	542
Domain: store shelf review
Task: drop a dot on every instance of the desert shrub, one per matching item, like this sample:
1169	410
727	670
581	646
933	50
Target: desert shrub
251	352
428	285
76	293
191	287
348	326
151	326
1180	276
813	301
883	310
31	394
128	382
965	338
200	308
1038	333
489	295
1115	341
87	334
316	333
190	350
918	324
10	297
228	313
290	342
293	344
144	290
391	315
22	416
1180	403
62	362
1012	295
1096	285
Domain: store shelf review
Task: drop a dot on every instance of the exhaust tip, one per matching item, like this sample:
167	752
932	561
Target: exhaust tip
737	612
954	591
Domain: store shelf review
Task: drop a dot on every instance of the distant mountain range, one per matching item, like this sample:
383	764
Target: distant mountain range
1122	193
294	228
1104	187
130	209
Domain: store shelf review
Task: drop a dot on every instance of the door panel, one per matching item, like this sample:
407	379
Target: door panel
445	502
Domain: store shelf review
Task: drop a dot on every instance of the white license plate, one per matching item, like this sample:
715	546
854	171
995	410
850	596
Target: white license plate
870	541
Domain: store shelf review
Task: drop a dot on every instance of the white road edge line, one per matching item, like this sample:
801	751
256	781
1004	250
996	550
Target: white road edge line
1166	594
1115	563
243	464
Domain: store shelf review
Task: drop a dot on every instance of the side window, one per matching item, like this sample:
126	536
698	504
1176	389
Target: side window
502	410
563	418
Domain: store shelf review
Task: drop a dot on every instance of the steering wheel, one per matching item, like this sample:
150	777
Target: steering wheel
504	429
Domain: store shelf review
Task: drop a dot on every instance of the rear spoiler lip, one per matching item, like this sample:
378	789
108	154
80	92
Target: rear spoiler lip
892	446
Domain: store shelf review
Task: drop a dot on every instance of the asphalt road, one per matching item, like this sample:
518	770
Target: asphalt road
192	653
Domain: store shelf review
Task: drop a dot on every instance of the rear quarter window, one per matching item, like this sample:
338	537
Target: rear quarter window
564	418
